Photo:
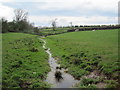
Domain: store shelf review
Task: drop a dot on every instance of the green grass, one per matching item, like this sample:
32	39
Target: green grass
50	31
84	51
24	61
88	83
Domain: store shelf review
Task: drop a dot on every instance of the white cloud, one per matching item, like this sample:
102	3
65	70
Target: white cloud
6	0
6	12
65	20
72	5
80	6
76	4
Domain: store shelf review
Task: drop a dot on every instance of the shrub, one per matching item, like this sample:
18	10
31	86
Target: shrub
111	84
16	64
95	60
88	68
77	72
95	63
77	61
20	62
91	86
82	54
87	81
36	85
63	56
67	57
16	77
34	49
41	85
83	65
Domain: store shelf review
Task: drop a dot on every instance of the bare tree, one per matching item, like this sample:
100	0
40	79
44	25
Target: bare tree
71	24
21	20
54	24
20	15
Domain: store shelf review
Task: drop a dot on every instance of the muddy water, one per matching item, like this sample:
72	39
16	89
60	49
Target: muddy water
67	81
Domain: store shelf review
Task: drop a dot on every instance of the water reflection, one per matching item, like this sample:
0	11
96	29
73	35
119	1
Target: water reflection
57	76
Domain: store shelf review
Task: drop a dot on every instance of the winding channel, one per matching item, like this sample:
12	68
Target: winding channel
67	81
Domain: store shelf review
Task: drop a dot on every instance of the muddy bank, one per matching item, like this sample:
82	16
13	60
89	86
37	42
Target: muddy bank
97	78
67	80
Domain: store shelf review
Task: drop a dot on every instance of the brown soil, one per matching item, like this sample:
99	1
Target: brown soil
96	74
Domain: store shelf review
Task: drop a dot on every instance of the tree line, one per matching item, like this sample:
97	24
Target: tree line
91	28
19	23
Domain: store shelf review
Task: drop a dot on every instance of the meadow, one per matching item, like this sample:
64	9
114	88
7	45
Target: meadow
51	31
85	51
24	61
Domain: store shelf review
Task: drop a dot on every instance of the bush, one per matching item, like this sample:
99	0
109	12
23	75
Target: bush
88	68
36	85
87	81
63	56
34	49
16	77
41	85
77	61
82	54
83	65
16	64
77	72
111	84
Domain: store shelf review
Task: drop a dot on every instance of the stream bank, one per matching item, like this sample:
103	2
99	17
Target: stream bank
63	82
67	80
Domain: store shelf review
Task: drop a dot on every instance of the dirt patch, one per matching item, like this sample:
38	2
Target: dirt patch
101	85
57	58
97	75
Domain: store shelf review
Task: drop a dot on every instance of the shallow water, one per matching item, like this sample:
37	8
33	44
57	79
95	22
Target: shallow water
67	81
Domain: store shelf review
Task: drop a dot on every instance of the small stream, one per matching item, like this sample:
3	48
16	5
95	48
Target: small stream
67	81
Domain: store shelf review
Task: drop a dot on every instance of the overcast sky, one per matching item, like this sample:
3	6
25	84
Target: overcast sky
79	12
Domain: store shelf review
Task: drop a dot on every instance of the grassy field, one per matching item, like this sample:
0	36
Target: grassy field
85	51
24	61
60	30
50	31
